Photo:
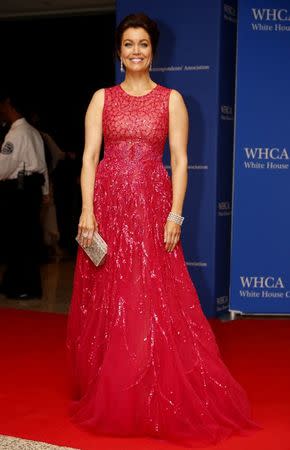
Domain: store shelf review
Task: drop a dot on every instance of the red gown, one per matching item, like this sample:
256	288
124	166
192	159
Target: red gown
144	359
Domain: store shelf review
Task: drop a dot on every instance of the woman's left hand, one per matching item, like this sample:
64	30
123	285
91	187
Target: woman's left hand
172	233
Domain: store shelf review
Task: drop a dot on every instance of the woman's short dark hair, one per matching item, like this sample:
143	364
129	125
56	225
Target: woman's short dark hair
138	20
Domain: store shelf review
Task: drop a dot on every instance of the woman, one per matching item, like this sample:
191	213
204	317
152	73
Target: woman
144	358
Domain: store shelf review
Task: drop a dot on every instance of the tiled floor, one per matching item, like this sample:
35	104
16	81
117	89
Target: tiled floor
13	443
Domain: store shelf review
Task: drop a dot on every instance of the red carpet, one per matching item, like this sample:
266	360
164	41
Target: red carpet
34	392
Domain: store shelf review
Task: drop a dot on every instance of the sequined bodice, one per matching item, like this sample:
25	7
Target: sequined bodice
135	127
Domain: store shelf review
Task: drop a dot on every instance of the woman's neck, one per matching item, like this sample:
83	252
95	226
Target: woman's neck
138	84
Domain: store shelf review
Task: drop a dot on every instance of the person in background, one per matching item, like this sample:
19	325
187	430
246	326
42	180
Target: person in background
24	185
49	223
56	222
53	153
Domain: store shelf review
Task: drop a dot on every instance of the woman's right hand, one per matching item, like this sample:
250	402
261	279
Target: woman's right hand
86	228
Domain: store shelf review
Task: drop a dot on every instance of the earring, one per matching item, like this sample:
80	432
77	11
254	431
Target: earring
121	67
150	67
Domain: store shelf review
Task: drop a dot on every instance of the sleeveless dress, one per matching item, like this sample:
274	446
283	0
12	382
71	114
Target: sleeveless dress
144	360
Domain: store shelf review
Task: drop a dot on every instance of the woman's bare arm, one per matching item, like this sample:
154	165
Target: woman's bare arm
91	156
178	139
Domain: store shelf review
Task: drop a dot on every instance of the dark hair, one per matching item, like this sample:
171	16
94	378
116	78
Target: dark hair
138	20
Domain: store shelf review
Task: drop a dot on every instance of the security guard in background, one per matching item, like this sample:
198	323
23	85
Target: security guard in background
23	188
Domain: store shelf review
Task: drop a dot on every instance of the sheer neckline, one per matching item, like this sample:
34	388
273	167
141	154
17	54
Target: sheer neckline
137	96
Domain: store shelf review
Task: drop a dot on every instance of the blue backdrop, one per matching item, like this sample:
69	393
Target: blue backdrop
260	276
196	57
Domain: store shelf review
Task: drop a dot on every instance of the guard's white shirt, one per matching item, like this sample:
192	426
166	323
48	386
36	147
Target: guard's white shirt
23	144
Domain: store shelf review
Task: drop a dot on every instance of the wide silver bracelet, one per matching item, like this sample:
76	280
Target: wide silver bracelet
175	218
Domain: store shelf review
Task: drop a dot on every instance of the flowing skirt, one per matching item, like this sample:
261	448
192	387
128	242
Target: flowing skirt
143	357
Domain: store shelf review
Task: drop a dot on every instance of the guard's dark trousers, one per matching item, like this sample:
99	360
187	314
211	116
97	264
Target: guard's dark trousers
21	236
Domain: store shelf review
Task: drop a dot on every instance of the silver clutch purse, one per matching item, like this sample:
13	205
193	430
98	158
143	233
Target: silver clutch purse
97	250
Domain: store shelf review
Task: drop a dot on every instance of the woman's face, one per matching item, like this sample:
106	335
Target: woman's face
136	49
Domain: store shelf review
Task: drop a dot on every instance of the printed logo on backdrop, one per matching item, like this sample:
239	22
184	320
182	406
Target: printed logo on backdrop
263	287
196	263
266	158
270	19
222	303
183	68
230	13
192	167
224	208
227	112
